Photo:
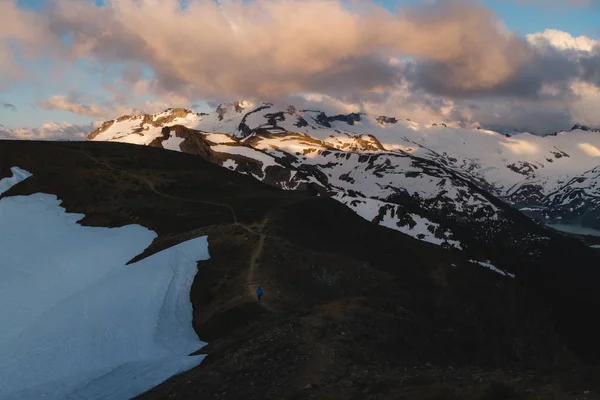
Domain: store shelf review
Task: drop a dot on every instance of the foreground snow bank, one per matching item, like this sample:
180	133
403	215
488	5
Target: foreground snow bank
76	322
19	175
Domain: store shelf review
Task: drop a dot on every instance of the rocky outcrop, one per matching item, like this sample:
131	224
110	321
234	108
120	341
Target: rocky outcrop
103	128
172	114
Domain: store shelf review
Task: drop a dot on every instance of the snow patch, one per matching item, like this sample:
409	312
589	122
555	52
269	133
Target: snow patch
229	164
19	175
173	143
489	265
265	159
218	138
76	321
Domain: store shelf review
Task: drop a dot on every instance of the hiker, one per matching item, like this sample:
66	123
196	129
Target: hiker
259	293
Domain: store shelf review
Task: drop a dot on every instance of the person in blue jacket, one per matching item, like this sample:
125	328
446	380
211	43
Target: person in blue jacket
259	292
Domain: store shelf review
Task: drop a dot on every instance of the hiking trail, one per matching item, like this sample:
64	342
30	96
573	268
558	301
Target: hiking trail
251	281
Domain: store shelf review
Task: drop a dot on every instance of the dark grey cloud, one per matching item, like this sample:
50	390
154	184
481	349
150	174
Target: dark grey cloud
591	67
9	106
545	66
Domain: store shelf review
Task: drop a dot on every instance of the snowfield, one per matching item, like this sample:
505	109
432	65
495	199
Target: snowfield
76	321
266	160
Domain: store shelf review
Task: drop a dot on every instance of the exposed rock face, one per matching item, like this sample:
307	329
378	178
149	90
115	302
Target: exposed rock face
386	120
172	114
193	143
350	119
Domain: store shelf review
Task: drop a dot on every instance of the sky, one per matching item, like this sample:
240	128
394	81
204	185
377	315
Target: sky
524	65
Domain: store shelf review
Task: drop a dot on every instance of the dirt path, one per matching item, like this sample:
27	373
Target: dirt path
251	281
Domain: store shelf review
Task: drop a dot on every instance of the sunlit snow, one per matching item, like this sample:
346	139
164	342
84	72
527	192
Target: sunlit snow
265	159
76	321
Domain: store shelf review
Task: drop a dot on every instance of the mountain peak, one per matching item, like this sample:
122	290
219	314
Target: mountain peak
584	128
237	107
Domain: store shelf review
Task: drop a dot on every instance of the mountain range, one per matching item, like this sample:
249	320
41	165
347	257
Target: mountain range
449	186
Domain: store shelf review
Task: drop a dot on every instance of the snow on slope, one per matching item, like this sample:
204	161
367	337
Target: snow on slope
418	227
501	161
76	322
505	163
488	265
265	159
173	143
143	129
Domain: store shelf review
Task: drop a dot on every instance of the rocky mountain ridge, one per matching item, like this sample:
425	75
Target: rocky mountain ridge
443	185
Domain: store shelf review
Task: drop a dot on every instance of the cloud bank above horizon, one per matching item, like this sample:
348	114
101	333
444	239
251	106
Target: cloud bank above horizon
431	61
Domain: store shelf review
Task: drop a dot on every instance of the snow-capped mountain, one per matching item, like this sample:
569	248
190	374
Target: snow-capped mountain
444	185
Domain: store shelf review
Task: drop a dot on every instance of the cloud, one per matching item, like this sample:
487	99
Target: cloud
9	106
25	31
72	104
562	40
550	58
584	108
523	115
438	60
561	3
66	104
518	146
273	48
590	149
48	131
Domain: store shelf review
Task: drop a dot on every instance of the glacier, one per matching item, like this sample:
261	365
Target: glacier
77	322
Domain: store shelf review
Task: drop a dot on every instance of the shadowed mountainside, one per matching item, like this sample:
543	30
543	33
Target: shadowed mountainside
351	309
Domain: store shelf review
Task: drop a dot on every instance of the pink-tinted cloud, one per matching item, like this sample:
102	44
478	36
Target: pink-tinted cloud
436	54
273	48
48	131
64	103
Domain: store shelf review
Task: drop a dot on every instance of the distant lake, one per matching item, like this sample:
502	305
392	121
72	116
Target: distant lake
575	229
